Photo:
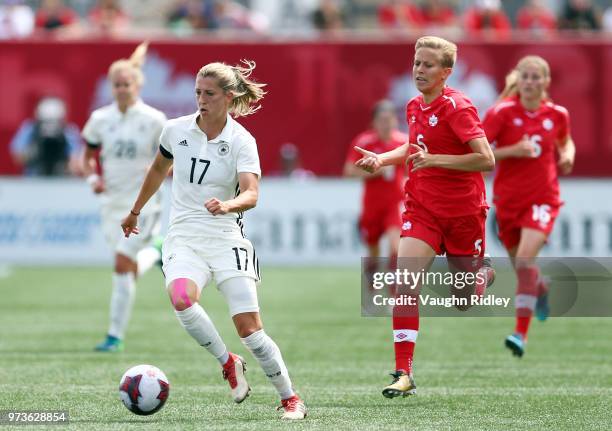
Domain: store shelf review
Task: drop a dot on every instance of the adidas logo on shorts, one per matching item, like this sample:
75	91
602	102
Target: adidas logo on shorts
183	143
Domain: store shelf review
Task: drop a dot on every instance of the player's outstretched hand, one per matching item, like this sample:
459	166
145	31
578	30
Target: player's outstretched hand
216	207
128	225
420	158
370	162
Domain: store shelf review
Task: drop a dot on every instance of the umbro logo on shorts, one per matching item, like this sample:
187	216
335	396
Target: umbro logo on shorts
183	143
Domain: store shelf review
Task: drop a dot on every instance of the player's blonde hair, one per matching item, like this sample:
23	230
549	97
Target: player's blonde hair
448	50
511	88
235	79
134	63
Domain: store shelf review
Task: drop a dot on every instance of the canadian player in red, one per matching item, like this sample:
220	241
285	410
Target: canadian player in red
383	191
532	136
445	205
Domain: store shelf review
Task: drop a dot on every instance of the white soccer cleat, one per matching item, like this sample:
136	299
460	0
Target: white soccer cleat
293	408
233	372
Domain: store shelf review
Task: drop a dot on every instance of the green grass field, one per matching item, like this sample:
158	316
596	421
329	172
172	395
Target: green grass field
50	319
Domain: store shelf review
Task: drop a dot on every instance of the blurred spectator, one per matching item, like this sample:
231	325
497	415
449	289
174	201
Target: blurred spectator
438	14
188	15
53	15
580	15
232	15
291	164
286	15
487	16
16	19
607	19
399	14
537	17
47	145
328	16
108	18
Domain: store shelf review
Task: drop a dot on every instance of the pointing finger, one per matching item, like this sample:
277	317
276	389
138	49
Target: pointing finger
364	152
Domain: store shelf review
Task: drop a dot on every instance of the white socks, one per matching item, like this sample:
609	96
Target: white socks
146	258
197	323
265	350
122	301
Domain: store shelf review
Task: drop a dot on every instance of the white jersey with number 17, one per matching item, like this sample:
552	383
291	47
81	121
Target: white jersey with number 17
204	169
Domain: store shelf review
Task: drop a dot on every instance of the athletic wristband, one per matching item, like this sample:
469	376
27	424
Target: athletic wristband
133	213
92	179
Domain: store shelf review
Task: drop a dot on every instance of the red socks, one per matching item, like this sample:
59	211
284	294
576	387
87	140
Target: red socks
526	297
405	331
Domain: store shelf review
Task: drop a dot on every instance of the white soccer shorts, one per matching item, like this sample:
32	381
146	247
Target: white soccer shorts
149	226
232	263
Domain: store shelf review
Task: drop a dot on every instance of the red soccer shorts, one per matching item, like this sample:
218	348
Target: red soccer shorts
373	223
510	221
455	236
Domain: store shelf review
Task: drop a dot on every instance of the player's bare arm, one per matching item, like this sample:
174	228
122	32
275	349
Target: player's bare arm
481	159
372	162
247	199
90	165
567	153
155	176
522	148
350	170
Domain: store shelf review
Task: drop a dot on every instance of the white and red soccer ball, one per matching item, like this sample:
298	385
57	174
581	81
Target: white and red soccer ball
144	389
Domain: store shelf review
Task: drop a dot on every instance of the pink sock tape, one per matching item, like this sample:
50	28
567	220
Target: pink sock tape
179	291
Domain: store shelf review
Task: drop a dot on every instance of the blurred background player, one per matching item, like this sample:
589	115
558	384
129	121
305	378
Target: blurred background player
383	194
215	179
445	204
47	145
126	133
529	131
291	163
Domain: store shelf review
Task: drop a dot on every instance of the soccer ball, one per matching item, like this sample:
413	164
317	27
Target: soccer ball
144	389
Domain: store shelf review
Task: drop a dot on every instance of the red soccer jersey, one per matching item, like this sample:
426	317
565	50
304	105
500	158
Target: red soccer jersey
386	189
445	126
527	181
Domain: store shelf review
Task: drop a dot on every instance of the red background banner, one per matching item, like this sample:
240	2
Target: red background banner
320	94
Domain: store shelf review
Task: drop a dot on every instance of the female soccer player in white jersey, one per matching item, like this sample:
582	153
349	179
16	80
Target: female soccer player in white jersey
215	178
126	132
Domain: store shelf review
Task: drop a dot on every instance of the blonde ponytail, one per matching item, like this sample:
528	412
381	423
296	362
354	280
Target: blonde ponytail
138	56
511	88
235	79
134	63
